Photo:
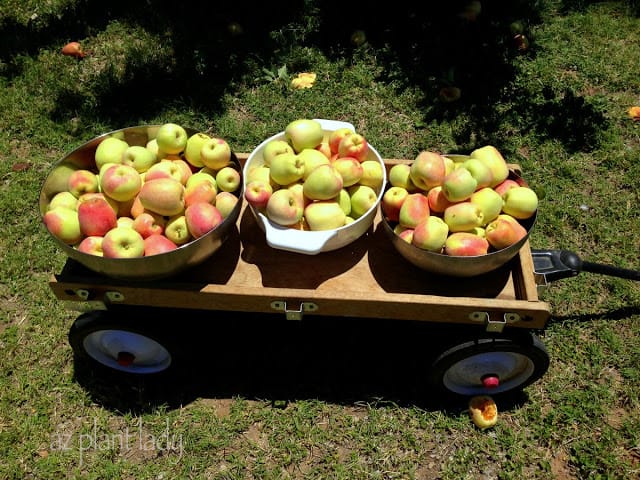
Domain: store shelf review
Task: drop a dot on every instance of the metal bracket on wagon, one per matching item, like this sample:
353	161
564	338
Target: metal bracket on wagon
495	326
281	306
89	301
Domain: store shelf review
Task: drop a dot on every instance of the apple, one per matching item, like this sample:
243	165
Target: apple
483	410
156	244
463	216
502	187
273	148
149	223
215	153
228	179
325	149
344	199
171	138
110	150
164	196
438	203
125	222
350	169
184	168
298	191
311	158
324	215
489	201
139	157
491	157
400	176
363	198
404	233
286	168
336	136
194	147
152	146
201	218
63	199
82	181
202	177
392	201
260	173
63	224
465	244
480	171
323	183
91	246
504	231
430	234
121	182
176	230
200	192
88	196
459	185
303	133
354	145
372	174
164	169
520	202
225	203
427	170
96	217
257	193
283	208
414	209
136	207
122	242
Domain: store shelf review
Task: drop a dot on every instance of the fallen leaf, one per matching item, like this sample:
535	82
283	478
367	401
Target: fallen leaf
20	167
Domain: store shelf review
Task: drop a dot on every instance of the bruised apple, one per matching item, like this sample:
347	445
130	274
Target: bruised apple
483	411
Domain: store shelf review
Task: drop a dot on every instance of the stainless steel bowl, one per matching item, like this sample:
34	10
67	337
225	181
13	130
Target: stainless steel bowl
143	268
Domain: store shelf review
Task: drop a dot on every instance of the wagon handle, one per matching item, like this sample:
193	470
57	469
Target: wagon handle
558	264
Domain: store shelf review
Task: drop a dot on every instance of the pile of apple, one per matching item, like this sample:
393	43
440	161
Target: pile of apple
460	206
309	182
146	200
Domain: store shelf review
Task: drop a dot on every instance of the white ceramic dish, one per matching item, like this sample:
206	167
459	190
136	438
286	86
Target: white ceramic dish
314	242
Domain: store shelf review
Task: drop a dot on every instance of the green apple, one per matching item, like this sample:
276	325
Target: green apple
199	177
430	234
480	171
311	159
176	229
63	199
121	182
520	202
283	207
363	198
400	176
228	179
324	215
286	168
171	138
303	133
350	169
459	185
489	201
492	157
463	216
323	183
226	202
273	148
344	199
110	150
122	242
139	157
194	147
215	153
372	174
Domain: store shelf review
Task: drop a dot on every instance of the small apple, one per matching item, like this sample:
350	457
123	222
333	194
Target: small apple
400	176
139	157
156	244
96	217
283	208
63	199
215	153
149	223
354	145
430	234
303	133
273	148
194	147
324	215
350	169
201	218
63	224
121	182
311	158
257	193
459	185
91	246
110	150
164	196
228	179
404	233
336	136
463	216
286	168
414	209
372	174
171	138
483	411
465	244
323	183
428	170
225	203
122	242
176	230
392	201
83	181
520	202
489	201
491	157
363	199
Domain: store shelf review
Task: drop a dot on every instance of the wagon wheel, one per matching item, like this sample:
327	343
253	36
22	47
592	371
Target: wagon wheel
123	346
489	366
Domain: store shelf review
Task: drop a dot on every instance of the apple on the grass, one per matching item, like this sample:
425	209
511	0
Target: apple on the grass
323	183
372	174
215	153
83	181
350	169
489	201
63	199
392	201
311	158
156	244
363	198
122	242
427	170
121	182
177	230
324	215
226	202
303	133
483	411
414	209
228	179
336	136
354	145
96	217
148	223
492	157
284	208
273	148
139	157
520	202
201	218
164	196
465	244
286	168
257	193
194	147
110	150
463	216
63	224
430	234
400	176
459	185
171	138
91	245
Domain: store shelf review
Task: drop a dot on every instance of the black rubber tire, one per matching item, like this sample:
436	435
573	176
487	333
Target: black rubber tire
517	361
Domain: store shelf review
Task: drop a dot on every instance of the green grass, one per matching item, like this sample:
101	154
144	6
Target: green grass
559	109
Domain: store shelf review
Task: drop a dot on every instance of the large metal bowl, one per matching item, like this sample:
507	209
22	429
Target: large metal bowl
314	242
448	265
144	268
